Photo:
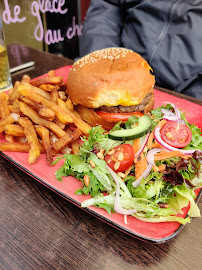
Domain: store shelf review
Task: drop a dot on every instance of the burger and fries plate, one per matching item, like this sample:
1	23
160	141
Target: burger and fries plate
45	174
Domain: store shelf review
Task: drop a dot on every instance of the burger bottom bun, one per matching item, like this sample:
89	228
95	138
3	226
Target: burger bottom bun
91	117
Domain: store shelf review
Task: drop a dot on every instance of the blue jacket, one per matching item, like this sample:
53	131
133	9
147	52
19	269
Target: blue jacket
168	34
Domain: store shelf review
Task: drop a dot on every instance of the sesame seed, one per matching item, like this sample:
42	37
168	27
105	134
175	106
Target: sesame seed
108	53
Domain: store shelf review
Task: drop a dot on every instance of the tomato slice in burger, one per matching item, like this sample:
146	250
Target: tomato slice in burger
176	135
120	158
116	117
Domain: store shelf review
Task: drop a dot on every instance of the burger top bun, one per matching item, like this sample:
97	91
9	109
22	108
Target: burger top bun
110	77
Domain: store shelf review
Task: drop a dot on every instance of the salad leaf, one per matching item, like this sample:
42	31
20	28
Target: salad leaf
189	194
94	188
97	140
147	210
197	180
157	115
127	125
76	166
60	173
196	142
131	122
164	219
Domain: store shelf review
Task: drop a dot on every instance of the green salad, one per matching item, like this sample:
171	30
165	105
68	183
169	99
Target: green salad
151	174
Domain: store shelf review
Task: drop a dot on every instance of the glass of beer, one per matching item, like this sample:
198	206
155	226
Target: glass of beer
5	77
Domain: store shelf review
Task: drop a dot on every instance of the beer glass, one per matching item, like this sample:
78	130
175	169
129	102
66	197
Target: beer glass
5	77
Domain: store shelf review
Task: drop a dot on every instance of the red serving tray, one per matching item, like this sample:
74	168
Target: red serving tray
153	232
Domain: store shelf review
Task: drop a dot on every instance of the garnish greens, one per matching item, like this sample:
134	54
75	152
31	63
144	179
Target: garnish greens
160	197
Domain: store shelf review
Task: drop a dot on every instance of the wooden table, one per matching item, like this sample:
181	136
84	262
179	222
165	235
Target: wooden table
41	230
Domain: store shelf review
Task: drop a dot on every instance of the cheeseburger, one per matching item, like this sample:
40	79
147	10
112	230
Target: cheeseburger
110	85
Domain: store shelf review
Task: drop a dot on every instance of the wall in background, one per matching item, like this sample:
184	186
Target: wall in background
43	26
21	33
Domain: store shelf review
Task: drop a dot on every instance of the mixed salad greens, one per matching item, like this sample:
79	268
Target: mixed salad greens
152	176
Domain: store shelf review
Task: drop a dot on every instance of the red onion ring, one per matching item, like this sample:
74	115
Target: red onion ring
117	205
170	116
150	160
167	112
177	112
174	119
143	145
159	140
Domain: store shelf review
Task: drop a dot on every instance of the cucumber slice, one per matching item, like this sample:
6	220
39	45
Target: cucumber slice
144	126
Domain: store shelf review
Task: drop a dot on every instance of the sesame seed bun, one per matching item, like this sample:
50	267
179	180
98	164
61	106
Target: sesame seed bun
111	77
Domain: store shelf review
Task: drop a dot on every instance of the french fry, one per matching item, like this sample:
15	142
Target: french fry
35	89
21	139
9	138
4	110
59	123
32	139
40	107
14	94
45	136
46	113
13	109
76	133
51	73
61	114
10	119
16	103
69	104
49	87
26	78
47	80
34	105
75	147
14	147
54	95
83	126
34	116
9	92
14	130
66	139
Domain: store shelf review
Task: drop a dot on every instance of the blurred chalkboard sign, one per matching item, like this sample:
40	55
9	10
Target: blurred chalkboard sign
54	24
70	28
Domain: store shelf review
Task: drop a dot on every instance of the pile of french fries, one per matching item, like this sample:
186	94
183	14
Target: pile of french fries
37	117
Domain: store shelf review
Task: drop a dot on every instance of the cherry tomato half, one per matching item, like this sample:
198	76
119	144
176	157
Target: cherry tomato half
120	158
176	135
116	117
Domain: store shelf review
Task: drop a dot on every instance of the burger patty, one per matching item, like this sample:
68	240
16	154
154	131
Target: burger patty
127	109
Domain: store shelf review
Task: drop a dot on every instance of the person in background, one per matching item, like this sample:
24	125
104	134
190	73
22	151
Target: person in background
168	34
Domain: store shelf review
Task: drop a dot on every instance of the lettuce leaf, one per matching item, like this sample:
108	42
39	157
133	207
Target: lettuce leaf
196	142
97	140
189	195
